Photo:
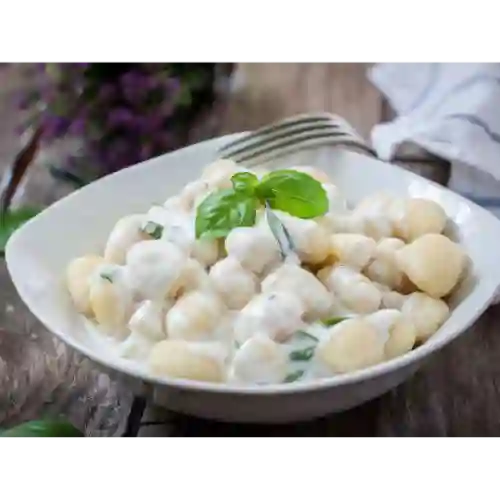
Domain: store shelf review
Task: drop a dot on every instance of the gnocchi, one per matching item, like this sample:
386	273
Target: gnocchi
355	285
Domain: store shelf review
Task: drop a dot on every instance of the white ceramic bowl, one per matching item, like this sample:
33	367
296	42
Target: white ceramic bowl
38	253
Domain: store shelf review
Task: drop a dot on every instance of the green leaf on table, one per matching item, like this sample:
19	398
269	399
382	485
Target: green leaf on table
293	192
13	220
245	182
44	428
222	211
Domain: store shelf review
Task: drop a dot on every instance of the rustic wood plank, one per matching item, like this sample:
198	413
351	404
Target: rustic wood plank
39	375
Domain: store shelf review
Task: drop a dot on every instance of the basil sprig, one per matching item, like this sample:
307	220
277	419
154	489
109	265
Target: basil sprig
295	193
13	220
43	428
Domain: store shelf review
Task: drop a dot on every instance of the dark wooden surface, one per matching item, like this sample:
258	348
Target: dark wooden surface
455	394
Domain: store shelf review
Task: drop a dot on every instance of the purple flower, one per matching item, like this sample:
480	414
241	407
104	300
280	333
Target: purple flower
119	116
54	126
152	122
135	86
23	100
106	92
48	92
173	87
77	127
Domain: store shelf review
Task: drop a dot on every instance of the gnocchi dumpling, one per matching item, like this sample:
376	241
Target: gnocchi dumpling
235	284
426	313
276	315
352	288
218	174
126	232
259	361
402	338
351	345
420	216
433	263
194	192
136	347
111	300
254	247
310	239
383	268
149	320
78	277
373	215
354	250
178	359
206	251
317	300
396	331
193	276
153	268
194	316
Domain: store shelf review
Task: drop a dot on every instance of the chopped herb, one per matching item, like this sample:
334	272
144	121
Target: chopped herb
153	229
302	333
303	355
292	377
106	276
280	233
334	321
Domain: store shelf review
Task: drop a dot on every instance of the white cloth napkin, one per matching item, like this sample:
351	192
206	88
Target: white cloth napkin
451	110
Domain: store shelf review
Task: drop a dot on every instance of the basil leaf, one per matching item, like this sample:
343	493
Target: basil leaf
13	220
302	355
333	321
153	229
245	182
224	210
292	377
43	428
293	192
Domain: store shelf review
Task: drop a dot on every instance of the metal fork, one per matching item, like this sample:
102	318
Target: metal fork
293	134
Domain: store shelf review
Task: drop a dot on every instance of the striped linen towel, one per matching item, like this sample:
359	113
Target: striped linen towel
452	111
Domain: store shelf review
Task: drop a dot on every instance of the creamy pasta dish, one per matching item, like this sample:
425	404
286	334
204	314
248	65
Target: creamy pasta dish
254	277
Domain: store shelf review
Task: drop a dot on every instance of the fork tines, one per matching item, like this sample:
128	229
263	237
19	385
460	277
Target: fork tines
293	134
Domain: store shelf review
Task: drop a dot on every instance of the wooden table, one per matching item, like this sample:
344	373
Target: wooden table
455	394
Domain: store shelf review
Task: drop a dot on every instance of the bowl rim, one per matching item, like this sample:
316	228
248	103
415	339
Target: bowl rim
414	356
